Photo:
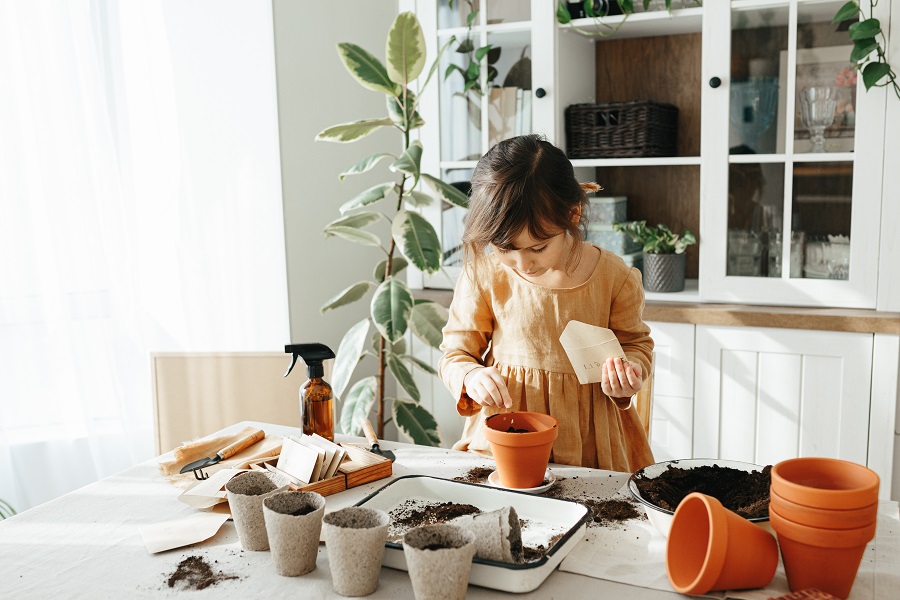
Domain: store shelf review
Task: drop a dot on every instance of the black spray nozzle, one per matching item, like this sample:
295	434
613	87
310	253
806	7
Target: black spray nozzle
312	354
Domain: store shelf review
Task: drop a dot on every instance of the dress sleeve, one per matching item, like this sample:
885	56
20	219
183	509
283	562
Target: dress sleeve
467	336
626	321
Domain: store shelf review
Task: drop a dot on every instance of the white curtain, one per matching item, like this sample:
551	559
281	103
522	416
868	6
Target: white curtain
140	211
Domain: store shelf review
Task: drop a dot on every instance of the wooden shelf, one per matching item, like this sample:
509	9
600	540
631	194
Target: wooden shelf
640	25
822	169
653	161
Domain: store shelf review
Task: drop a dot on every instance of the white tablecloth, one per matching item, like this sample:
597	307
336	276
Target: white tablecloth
87	543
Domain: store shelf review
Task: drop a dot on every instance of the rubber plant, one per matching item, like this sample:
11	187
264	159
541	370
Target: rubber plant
6	510
393	309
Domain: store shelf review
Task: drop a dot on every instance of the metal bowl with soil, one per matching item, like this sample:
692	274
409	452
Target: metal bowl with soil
739	486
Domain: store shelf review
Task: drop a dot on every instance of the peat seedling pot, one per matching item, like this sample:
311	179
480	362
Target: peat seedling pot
439	559
713	548
521	443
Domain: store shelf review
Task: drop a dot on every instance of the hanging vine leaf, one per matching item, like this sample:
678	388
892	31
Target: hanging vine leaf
416	422
390	308
847	11
365	164
350	132
427	321
447	192
403	376
865	29
348	356
417	240
398	264
347	296
405	49
354	234
366	69
370	196
873	72
358	405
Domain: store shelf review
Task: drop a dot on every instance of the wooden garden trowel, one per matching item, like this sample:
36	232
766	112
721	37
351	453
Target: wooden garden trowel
376	449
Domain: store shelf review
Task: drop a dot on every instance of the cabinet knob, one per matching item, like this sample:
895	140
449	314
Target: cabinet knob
540	92
715	82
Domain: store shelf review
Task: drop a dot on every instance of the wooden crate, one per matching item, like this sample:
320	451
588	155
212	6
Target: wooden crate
358	467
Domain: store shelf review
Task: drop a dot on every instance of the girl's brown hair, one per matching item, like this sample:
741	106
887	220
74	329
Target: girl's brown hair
524	183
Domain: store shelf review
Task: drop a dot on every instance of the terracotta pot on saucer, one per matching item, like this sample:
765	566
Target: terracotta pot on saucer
825	518
521	458
713	548
826	559
825	483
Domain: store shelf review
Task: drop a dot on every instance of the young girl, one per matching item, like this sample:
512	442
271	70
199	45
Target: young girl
501	344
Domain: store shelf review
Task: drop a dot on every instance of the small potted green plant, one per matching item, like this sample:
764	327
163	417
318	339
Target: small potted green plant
663	254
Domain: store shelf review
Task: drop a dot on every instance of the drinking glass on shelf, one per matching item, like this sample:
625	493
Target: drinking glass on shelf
817	106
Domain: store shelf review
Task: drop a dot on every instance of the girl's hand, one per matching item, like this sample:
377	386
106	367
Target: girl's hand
621	379
487	387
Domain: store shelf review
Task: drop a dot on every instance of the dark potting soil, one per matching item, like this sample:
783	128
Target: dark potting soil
604	513
436	547
514	430
194	573
303	510
475	475
533	553
409	514
746	493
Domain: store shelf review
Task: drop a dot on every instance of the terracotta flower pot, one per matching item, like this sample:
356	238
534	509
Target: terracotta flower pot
825	483
713	548
827	559
825	518
521	458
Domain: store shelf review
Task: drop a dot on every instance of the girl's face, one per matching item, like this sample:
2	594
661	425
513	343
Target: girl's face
533	258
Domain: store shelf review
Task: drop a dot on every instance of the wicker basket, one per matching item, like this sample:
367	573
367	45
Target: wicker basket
621	129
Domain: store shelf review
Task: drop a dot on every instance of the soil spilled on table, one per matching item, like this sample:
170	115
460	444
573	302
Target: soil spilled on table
744	492
194	573
475	475
608	512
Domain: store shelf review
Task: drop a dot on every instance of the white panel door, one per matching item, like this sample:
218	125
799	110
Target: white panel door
671	429
765	395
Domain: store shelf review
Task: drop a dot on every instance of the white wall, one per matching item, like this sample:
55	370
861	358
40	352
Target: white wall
314	92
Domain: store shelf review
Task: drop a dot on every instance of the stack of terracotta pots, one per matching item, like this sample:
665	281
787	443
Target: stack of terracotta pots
824	511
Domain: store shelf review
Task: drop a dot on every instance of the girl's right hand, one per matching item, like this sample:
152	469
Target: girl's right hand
486	386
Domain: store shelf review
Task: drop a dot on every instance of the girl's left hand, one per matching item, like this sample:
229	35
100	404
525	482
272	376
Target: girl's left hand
621	379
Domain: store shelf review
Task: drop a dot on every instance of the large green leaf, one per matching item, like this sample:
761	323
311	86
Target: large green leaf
360	219
427	320
409	161
405	49
348	356
365	164
863	48
390	308
417	240
398	263
447	192
420	363
366	69
865	29
416	422
873	72
358	405
350	132
417	199
847	11
369	196
355	235
348	296
403	376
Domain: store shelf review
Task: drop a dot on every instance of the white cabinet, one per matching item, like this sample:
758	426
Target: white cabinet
778	223
671	428
765	395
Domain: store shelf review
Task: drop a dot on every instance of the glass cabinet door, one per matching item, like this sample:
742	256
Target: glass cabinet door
796	213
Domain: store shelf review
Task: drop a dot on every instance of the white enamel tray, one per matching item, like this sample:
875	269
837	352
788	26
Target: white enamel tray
541	514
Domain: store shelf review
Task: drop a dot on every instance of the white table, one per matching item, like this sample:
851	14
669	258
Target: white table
87	544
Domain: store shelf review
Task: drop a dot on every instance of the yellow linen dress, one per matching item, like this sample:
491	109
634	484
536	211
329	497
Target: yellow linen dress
499	319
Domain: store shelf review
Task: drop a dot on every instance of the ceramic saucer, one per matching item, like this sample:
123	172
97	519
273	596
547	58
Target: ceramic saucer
549	477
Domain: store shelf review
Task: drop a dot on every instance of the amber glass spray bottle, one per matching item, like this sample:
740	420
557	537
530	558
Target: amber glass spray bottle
316	396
